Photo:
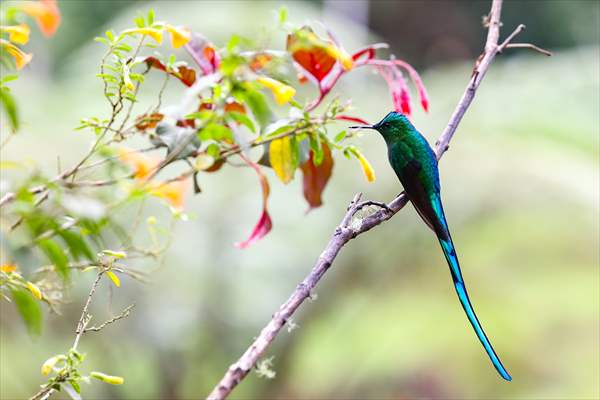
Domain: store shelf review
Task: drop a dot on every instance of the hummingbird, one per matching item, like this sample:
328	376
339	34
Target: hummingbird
416	166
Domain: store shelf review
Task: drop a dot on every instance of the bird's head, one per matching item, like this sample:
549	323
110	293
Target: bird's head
393	124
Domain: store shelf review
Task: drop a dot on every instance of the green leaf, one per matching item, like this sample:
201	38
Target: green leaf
257	102
295	148
124	47
201	115
77	245
56	255
30	310
215	132
213	151
72	389
139	21
283	15
8	78
150	16
242	119
230	63
340	136
110	35
10	107
317	148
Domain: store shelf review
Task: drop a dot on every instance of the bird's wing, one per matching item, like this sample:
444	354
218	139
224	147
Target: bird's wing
423	199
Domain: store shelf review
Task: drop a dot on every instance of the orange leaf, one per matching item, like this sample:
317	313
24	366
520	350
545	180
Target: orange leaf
172	192
234	106
259	61
142	164
45	13
148	121
264	224
316	177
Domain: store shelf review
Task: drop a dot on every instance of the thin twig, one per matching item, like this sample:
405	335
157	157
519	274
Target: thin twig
46	391
84	318
528	46
124	314
346	230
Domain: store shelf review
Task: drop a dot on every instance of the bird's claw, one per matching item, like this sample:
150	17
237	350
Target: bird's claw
374	203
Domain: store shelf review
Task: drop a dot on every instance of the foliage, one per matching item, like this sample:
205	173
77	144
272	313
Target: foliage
237	101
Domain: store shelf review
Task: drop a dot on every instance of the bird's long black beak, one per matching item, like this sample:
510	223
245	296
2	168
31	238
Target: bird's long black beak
361	127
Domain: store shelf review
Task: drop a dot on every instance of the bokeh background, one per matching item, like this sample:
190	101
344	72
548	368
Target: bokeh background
521	189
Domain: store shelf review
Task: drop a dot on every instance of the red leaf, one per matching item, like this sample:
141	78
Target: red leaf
264	224
316	177
185	74
314	57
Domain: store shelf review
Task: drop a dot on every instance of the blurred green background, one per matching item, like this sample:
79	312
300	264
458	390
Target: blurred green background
521	189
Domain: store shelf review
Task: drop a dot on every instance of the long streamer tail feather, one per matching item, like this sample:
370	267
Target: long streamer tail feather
461	290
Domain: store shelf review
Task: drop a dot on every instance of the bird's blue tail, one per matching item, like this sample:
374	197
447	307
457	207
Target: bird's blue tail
459	284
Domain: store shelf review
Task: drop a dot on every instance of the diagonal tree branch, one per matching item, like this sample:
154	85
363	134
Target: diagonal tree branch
347	230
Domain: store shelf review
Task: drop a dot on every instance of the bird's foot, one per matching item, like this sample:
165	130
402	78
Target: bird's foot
374	203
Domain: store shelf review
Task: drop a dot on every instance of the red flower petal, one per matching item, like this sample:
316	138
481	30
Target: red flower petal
351	119
264	224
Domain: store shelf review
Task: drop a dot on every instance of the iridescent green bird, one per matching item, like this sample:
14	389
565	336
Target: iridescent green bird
416	166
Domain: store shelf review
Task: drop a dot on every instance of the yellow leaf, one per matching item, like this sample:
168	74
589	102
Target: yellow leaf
282	92
113	277
50	363
37	293
280	155
341	55
154	33
179	35
113	380
115	254
366	165
8	268
21	58
18	34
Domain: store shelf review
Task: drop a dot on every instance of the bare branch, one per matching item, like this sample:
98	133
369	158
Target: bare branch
528	46
124	314
347	231
510	37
